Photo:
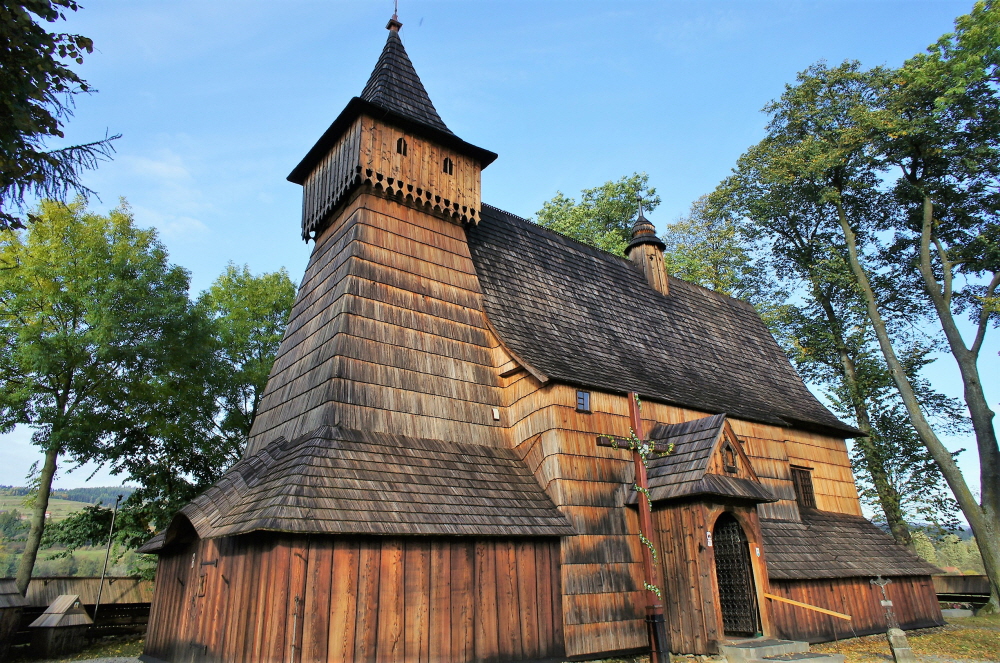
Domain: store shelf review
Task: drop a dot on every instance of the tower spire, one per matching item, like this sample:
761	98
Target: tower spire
395	86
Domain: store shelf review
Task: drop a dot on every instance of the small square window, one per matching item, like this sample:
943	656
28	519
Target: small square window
583	401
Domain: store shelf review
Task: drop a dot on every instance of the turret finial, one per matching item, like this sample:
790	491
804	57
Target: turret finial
643	232
394	23
646	250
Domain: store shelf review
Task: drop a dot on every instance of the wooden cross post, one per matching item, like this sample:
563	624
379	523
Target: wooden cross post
659	641
901	651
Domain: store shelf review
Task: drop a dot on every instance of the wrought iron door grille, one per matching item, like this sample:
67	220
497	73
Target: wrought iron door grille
737	597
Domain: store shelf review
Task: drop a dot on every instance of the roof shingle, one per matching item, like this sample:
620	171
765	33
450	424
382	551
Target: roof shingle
835	545
586	317
395	86
340	481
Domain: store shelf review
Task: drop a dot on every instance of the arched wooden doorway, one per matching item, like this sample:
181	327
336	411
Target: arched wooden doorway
734	576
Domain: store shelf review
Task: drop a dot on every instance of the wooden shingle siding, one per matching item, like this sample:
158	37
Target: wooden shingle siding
913	600
387	334
358	599
693	616
590	484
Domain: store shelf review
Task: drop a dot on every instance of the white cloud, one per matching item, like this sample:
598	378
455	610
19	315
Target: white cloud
168	169
171	226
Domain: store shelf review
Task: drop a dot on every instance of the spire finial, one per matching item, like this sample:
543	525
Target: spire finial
638	197
394	24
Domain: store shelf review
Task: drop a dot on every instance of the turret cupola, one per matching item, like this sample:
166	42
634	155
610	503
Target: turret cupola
646	250
392	141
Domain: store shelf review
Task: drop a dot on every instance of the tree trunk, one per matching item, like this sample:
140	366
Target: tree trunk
975	399
27	563
983	523
888	496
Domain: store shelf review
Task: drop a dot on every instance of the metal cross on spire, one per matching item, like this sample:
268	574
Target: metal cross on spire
394	24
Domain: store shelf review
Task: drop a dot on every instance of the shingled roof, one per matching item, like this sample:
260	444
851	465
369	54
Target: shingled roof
683	472
579	315
340	481
395	86
394	94
835	545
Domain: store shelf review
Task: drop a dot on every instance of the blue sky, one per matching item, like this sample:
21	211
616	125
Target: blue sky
217	101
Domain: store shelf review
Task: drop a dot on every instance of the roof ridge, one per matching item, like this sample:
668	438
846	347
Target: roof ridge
534	224
601	252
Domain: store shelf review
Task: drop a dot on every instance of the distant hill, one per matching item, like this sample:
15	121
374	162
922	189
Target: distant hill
106	495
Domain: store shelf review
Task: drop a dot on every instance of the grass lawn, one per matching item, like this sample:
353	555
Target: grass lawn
969	639
109	647
57	507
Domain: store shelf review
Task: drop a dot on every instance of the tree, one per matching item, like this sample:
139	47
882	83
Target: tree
709	249
37	98
833	134
603	217
819	317
197	422
91	313
250	313
937	124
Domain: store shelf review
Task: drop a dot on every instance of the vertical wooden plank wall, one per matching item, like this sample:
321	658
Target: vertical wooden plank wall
601	566
366	152
688	578
693	616
914	601
302	599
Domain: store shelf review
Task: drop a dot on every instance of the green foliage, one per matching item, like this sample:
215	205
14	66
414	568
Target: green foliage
951	550
87	305
88	527
792	189
97	341
707	248
197	421
924	547
37	88
11	525
86	494
249	313
603	217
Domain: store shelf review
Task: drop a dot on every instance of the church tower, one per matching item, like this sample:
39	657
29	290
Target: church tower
388	332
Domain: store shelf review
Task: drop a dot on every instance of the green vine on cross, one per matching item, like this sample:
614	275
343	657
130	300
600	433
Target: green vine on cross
646	450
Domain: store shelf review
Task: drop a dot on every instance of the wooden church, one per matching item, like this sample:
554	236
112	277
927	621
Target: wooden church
424	483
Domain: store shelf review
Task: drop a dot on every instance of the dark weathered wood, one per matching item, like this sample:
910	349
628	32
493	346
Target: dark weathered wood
418	451
366	635
416	600
486	622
